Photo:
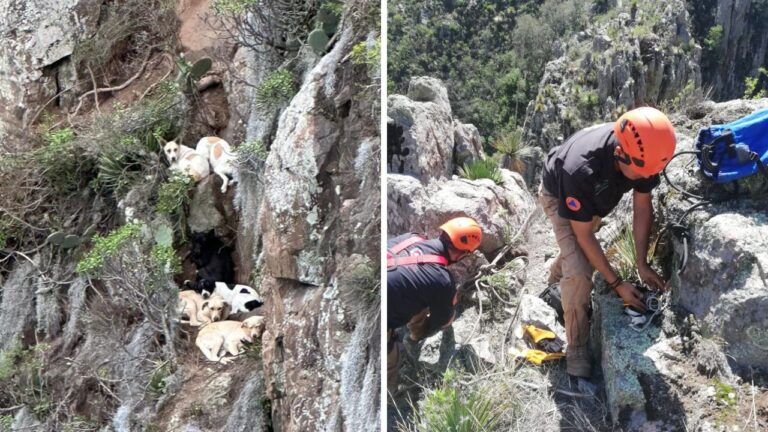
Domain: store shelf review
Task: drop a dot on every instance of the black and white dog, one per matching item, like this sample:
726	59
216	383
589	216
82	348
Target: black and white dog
213	260
241	298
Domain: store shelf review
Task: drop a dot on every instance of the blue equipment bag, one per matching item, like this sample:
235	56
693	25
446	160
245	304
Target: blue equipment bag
735	150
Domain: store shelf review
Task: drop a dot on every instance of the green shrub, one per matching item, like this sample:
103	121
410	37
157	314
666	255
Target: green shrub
105	247
61	162
714	38
165	259
157	381
126	143
6	421
755	87
444	409
173	195
252	151
237	7
21	377
480	169
588	100
362	54
276	91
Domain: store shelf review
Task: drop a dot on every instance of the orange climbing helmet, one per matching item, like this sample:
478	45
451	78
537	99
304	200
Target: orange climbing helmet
465	234
647	140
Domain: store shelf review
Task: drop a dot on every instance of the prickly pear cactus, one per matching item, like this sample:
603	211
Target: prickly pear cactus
56	238
318	40
70	241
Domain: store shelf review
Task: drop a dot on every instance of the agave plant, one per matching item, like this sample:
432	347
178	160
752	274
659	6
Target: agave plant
483	168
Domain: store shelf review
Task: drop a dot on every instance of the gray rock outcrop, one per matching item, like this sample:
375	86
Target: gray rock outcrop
724	282
424	140
39	38
499	209
321	206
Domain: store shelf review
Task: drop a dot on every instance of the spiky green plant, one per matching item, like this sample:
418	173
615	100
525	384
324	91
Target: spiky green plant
445	409
623	256
515	150
480	169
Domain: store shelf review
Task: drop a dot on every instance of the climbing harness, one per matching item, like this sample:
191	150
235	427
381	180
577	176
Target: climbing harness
394	260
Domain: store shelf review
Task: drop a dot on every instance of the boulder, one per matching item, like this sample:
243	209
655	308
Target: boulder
724	283
420	133
468	145
499	209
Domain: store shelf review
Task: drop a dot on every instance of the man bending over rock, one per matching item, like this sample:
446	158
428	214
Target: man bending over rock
583	181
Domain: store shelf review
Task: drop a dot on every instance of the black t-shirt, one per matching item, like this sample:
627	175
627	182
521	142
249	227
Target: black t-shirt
583	176
411	288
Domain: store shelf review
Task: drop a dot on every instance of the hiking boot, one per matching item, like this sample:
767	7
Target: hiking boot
577	362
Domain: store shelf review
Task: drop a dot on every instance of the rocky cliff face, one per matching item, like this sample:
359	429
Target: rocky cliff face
305	223
633	57
35	60
320	224
743	47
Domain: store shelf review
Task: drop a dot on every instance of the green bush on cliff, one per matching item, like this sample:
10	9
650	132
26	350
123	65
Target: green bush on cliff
106	246
276	91
173	196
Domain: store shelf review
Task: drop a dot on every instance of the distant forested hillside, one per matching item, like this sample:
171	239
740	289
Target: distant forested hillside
491	54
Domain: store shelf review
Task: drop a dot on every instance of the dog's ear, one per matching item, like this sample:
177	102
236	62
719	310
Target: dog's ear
161	141
205	305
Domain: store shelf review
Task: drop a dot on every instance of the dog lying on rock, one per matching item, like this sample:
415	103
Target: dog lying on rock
217	339
186	160
219	154
200	311
240	298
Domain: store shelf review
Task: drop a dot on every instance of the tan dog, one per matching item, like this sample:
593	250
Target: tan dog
217	339
201	311
219	154
186	160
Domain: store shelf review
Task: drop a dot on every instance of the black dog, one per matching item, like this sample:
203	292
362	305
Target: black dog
213	260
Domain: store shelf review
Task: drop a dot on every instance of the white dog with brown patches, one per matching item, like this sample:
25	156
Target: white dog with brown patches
201	311
186	160
219	154
217	339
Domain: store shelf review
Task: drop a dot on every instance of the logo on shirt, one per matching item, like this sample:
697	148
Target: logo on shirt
572	203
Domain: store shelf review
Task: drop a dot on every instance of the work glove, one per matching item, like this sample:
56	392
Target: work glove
537	357
543	339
